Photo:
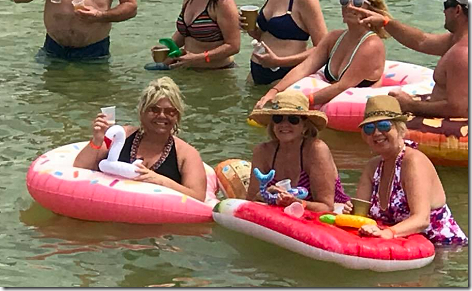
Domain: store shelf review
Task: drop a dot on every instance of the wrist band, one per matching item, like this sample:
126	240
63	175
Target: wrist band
207	57
304	204
386	20
278	91
94	146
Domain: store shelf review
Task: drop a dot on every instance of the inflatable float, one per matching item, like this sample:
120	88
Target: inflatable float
233	177
91	195
310	237
445	141
346	110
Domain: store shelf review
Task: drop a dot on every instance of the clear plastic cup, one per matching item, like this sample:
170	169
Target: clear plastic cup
110	114
295	209
78	4
284	184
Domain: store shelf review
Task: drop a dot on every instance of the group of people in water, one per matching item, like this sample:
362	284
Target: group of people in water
401	182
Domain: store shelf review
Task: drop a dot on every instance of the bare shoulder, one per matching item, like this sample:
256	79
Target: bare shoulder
415	159
129	129
226	4
307	4
372	165
184	148
458	55
316	148
264	147
374	43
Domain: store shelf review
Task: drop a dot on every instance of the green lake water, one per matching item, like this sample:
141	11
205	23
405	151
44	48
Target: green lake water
45	106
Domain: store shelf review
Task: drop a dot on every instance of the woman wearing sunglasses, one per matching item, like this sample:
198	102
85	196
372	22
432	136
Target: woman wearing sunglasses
295	153
401	183
167	160
352	58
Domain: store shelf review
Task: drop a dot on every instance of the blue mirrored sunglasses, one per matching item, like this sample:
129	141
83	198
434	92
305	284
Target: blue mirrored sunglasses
357	3
382	126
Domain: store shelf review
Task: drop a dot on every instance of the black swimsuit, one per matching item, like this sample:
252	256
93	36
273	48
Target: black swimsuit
168	168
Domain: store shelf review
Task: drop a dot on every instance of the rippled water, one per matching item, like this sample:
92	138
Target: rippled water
48	105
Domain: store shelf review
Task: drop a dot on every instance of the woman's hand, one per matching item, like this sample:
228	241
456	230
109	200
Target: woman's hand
286	199
256	33
374	230
148	175
186	60
347	207
99	127
368	17
269	59
269	96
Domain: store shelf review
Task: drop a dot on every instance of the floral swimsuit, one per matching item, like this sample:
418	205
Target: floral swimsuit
442	230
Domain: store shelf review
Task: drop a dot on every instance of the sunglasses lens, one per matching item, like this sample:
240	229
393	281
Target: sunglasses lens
358	3
343	2
368	128
294	119
384	126
277	118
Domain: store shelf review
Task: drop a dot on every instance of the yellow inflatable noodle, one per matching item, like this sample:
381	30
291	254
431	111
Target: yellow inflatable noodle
252	122
353	220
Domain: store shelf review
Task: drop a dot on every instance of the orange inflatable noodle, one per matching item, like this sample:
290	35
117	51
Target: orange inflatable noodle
444	140
233	177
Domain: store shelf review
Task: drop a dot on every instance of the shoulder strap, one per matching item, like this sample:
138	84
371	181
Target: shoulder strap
301	154
290	5
369	33
275	155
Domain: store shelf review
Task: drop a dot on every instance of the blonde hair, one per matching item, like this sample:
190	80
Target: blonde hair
158	89
400	126
380	6
310	129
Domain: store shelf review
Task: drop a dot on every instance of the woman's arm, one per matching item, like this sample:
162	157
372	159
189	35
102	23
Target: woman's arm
178	39
317	58
416	182
323	175
228	19
192	172
95	151
259	160
368	63
313	20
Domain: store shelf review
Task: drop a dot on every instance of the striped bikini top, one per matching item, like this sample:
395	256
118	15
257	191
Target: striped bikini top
304	179
203	28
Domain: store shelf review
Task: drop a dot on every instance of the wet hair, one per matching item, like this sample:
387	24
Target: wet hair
310	129
380	6
158	89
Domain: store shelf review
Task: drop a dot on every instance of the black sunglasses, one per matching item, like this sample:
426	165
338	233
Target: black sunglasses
293	119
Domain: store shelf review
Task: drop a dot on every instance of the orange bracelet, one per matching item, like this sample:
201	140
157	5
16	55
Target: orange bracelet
386	20
207	57
94	146
304	204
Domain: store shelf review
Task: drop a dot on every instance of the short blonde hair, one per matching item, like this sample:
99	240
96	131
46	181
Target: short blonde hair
158	89
400	126
310	129
380	6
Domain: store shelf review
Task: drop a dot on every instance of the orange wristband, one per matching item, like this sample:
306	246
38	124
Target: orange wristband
94	146
207	57
386	20
304	203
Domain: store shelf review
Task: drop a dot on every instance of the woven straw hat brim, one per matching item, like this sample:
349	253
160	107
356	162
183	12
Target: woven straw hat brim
264	116
378	118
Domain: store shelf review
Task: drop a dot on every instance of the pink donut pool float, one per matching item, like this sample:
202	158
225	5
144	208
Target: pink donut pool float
91	195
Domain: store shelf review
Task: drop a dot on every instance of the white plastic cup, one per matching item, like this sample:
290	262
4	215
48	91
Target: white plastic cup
284	184
110	114
295	209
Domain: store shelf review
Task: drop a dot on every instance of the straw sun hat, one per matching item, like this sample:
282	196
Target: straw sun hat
289	102
382	107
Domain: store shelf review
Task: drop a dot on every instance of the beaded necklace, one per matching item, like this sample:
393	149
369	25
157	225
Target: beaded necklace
165	152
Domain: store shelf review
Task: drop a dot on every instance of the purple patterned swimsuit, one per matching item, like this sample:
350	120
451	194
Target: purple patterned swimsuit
442	230
304	181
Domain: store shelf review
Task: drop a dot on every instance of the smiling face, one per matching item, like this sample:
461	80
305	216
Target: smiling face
160	118
383	142
286	131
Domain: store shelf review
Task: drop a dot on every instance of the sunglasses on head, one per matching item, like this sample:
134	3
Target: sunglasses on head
168	111
382	126
357	3
450	3
293	119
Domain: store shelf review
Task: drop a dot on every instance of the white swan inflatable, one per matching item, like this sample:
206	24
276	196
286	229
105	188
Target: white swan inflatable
111	165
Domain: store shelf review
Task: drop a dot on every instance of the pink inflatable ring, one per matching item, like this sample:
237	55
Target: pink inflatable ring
91	195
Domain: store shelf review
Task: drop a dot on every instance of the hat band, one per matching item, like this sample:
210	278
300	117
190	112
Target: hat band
382	113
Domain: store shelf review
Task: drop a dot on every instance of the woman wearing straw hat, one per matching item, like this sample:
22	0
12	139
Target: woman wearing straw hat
401	183
295	152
